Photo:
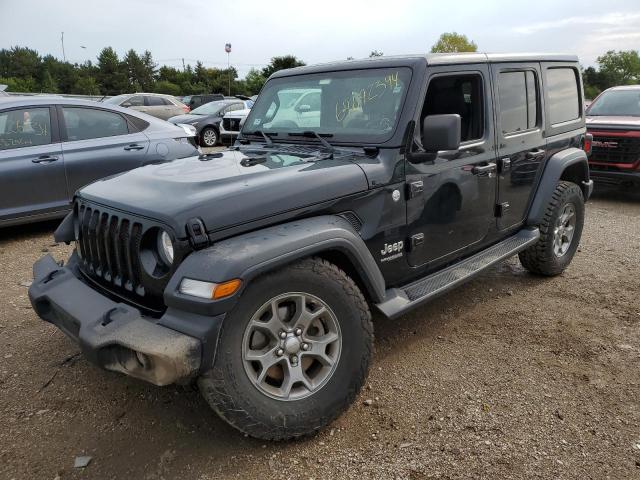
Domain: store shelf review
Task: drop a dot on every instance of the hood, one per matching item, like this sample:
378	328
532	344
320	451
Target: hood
187	118
617	122
229	188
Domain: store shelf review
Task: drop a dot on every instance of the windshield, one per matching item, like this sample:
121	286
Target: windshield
209	108
616	103
117	99
350	106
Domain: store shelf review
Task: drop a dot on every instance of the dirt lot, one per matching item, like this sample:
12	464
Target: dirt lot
511	376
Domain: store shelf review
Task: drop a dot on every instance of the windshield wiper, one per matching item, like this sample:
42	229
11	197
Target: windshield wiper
260	133
319	136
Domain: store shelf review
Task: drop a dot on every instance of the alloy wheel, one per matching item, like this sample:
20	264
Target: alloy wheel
291	346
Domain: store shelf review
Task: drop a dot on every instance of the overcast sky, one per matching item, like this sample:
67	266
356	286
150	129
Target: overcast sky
316	31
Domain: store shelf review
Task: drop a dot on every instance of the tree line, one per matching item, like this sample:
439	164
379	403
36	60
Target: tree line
24	70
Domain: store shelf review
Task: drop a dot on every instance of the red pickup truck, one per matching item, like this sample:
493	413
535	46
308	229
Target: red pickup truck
613	119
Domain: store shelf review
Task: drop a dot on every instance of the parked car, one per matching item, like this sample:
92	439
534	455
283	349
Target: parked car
254	270
194	101
613	119
50	147
207	118
154	104
232	122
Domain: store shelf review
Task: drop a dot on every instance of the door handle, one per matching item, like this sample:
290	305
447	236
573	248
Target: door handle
133	146
484	170
535	153
44	159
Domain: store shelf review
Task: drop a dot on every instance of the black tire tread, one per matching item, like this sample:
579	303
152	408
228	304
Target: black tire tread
215	389
536	259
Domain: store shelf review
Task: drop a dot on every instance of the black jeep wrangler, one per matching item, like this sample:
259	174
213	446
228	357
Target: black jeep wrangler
356	185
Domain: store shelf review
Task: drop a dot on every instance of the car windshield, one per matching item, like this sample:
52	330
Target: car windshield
117	99
617	103
209	108
351	106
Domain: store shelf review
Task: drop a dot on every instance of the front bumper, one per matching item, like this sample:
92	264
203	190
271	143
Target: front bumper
114	335
615	177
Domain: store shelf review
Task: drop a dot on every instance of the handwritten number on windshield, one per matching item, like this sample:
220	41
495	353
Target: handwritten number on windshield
369	94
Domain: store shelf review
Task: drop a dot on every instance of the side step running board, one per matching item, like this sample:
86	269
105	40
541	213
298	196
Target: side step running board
400	300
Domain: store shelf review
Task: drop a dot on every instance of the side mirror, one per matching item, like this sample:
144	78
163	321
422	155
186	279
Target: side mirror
441	132
303	108
125	104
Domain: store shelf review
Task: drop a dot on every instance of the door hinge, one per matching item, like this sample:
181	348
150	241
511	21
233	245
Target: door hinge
505	165
417	240
502	209
415	189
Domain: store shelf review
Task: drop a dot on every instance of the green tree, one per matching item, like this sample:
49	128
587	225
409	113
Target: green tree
254	81
451	42
281	63
111	74
86	86
165	86
620	68
22	85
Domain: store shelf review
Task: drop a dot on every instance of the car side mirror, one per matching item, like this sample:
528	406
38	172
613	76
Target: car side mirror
441	132
303	108
125	104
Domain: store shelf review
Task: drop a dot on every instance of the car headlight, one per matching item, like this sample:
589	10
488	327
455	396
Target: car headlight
165	247
189	129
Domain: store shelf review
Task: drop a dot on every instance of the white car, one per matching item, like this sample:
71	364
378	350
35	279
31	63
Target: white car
233	121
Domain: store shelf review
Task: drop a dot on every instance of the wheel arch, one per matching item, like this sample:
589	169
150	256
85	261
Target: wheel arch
253	254
571	165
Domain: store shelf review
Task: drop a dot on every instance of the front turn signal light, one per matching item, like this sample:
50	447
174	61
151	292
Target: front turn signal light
226	289
209	290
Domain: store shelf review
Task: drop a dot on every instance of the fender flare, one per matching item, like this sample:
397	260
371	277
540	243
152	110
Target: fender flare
553	173
252	254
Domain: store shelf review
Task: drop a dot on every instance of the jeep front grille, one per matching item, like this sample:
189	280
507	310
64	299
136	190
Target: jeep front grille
108	247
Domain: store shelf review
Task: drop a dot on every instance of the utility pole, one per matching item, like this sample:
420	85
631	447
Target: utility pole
227	48
64	57
183	67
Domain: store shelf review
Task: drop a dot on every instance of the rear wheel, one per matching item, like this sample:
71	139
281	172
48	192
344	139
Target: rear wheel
560	232
209	137
293	353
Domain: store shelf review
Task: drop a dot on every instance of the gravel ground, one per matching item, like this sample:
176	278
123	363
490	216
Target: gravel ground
510	376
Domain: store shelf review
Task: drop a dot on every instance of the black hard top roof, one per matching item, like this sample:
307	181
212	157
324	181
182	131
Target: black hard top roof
428	59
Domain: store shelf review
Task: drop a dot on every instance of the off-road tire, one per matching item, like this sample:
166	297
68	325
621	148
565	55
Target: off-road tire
203	135
227	387
540	258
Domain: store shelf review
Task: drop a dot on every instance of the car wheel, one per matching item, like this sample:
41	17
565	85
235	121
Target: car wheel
209	137
293	353
560	232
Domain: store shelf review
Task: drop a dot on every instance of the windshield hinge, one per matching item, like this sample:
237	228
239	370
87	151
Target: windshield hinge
197	233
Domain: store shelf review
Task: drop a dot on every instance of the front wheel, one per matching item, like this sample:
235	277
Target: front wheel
560	232
292	354
209	137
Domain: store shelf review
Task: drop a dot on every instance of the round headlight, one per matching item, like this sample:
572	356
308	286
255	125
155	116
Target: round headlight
165	247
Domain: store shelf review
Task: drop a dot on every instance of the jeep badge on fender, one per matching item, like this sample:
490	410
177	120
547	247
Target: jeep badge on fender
252	272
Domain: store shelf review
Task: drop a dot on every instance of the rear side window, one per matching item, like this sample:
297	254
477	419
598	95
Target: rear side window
86	123
135	101
25	127
156	101
518	101
564	99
